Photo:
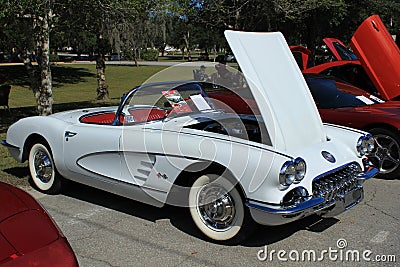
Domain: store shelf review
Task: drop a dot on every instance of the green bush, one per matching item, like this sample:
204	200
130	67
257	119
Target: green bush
149	54
129	55
54	58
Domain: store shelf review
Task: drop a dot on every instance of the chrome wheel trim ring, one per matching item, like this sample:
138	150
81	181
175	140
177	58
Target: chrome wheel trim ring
43	166
216	207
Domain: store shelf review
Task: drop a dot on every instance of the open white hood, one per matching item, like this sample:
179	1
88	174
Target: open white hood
281	93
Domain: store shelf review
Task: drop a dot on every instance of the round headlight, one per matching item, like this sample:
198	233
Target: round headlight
287	175
362	146
300	166
365	145
370	144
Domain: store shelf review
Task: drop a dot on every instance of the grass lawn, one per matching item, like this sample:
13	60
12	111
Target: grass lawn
74	86
76	83
11	171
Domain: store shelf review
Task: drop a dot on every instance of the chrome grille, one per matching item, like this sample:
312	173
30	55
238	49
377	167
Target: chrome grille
337	183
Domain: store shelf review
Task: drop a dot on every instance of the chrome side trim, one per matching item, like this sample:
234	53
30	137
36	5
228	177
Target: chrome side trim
116	180
344	128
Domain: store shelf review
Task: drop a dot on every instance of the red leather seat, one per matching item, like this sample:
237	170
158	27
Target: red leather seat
147	114
139	115
100	118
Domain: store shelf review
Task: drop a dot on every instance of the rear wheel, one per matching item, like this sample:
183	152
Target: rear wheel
218	210
386	156
42	169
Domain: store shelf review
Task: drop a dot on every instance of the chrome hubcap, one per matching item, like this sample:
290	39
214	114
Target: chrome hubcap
387	153
216	207
43	166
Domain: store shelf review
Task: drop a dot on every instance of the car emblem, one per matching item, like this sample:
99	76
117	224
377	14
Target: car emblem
328	156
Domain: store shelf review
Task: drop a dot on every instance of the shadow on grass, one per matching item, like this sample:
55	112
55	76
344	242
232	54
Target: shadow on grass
18	172
17	75
68	75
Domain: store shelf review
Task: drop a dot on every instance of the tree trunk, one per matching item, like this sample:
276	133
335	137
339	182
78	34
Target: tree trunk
42	85
102	87
136	57
33	76
186	39
164	36
311	37
162	49
183	53
45	96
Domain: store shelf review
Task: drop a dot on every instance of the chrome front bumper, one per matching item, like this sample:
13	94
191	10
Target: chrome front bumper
268	214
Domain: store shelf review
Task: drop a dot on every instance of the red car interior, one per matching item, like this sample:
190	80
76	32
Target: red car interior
139	115
147	114
99	118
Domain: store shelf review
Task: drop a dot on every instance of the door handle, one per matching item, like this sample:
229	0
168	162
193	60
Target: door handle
69	134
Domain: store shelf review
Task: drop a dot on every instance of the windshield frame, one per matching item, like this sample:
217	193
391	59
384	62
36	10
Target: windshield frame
168	86
344	52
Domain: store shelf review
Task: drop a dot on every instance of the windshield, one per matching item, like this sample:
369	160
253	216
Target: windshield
158	101
329	93
353	74
344	53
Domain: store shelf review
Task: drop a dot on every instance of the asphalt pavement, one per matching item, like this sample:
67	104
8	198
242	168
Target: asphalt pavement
108	230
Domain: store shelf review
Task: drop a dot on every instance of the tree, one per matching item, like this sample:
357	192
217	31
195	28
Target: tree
133	29
102	26
91	17
111	24
44	96
39	15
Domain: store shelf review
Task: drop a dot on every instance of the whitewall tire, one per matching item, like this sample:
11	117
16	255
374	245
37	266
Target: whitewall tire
217	207
42	169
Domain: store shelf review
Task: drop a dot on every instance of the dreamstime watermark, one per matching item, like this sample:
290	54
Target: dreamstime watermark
340	253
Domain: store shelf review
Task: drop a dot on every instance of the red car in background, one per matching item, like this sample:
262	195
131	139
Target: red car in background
374	65
375	68
28	235
331	52
341	103
338	95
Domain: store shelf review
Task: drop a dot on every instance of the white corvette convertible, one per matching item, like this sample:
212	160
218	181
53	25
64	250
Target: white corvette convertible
172	143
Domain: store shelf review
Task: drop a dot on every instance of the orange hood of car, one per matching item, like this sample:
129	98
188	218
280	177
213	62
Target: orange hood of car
379	55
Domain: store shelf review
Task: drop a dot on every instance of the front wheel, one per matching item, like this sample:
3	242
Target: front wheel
386	156
217	209
43	172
